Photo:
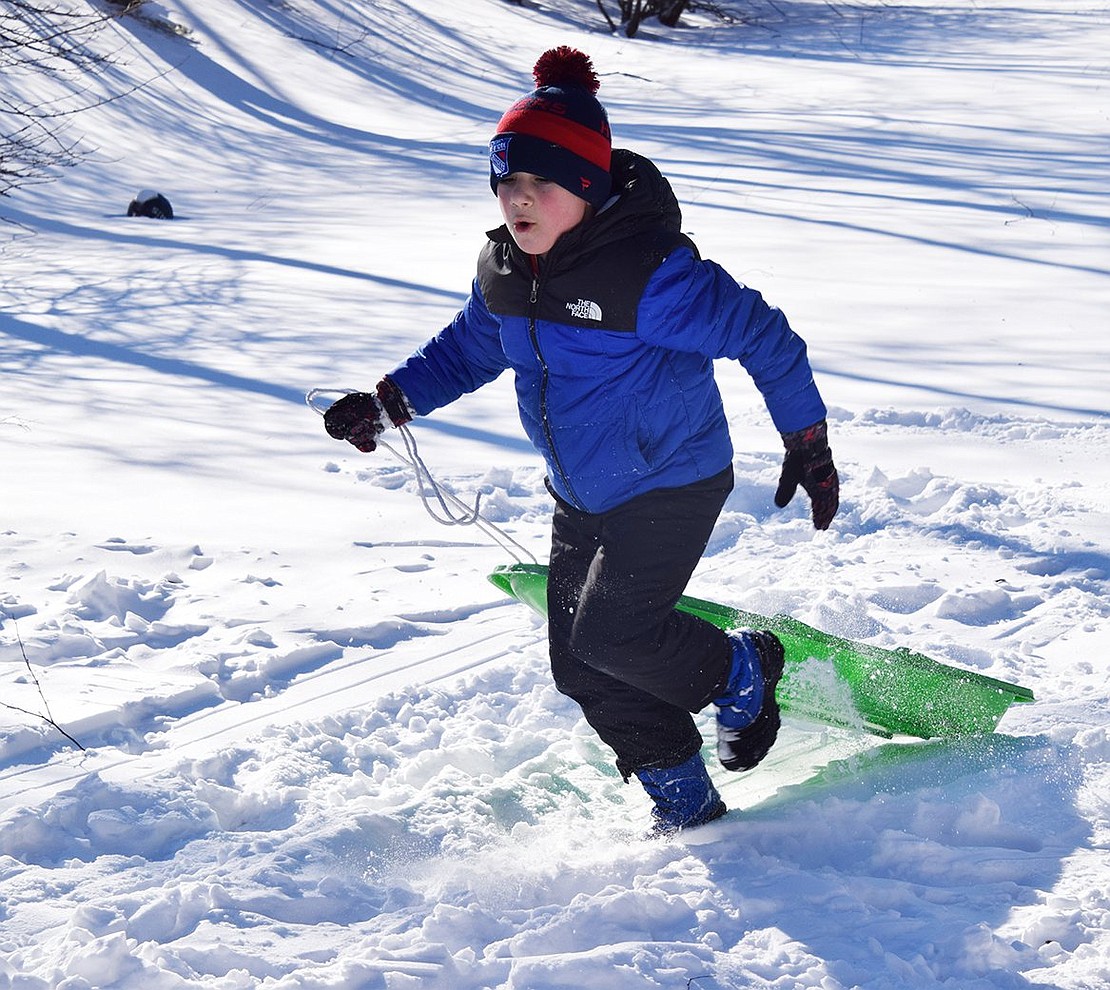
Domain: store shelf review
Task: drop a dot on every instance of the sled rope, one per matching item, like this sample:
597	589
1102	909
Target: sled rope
453	511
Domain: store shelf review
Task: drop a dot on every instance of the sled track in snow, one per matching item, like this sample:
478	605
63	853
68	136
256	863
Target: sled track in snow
357	679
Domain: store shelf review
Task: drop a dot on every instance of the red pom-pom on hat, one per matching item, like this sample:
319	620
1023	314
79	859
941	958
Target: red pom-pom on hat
566	66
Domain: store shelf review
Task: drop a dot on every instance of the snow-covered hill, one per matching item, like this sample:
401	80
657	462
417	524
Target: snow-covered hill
319	749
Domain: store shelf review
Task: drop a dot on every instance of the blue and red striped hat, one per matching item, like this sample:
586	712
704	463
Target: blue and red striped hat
559	131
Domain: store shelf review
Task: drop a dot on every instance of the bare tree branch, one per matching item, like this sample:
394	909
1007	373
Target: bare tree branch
51	38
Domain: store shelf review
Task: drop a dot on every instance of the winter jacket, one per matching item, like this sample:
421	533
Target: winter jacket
612	341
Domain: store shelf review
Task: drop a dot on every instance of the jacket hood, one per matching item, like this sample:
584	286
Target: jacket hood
642	196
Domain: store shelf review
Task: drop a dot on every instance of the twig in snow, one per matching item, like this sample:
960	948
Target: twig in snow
48	717
1029	214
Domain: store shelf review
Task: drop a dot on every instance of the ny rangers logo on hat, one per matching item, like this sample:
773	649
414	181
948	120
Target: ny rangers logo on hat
499	155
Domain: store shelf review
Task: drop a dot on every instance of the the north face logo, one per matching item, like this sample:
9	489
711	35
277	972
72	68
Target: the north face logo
585	309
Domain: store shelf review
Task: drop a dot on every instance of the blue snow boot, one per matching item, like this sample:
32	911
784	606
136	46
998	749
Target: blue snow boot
748	717
684	796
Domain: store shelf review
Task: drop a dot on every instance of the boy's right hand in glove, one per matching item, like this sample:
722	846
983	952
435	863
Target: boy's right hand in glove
360	417
809	463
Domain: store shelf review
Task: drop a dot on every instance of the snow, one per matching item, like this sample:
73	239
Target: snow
318	748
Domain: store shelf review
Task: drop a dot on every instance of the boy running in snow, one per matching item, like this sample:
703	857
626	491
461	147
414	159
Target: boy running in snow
611	322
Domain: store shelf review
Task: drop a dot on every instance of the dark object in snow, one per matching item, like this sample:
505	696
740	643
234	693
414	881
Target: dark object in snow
150	204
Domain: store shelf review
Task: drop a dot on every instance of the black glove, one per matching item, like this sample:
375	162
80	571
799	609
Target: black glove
809	463
359	417
356	418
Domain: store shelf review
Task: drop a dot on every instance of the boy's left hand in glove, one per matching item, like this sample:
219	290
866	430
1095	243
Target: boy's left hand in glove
809	463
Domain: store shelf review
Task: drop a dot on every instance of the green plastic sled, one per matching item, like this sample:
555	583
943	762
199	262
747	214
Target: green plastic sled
837	681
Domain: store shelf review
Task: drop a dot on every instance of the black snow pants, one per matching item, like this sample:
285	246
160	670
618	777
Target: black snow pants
635	665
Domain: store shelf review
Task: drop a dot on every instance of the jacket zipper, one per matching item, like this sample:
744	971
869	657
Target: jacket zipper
534	335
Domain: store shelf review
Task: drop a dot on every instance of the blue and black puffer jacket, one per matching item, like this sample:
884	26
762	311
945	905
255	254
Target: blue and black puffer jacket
612	338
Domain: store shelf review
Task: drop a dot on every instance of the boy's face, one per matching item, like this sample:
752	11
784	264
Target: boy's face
537	211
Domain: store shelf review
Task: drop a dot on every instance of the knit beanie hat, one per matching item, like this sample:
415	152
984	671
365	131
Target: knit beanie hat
559	131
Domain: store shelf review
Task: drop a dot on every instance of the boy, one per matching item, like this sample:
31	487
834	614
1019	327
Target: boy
611	321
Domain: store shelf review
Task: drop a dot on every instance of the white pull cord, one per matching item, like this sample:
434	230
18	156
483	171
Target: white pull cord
455	512
469	517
